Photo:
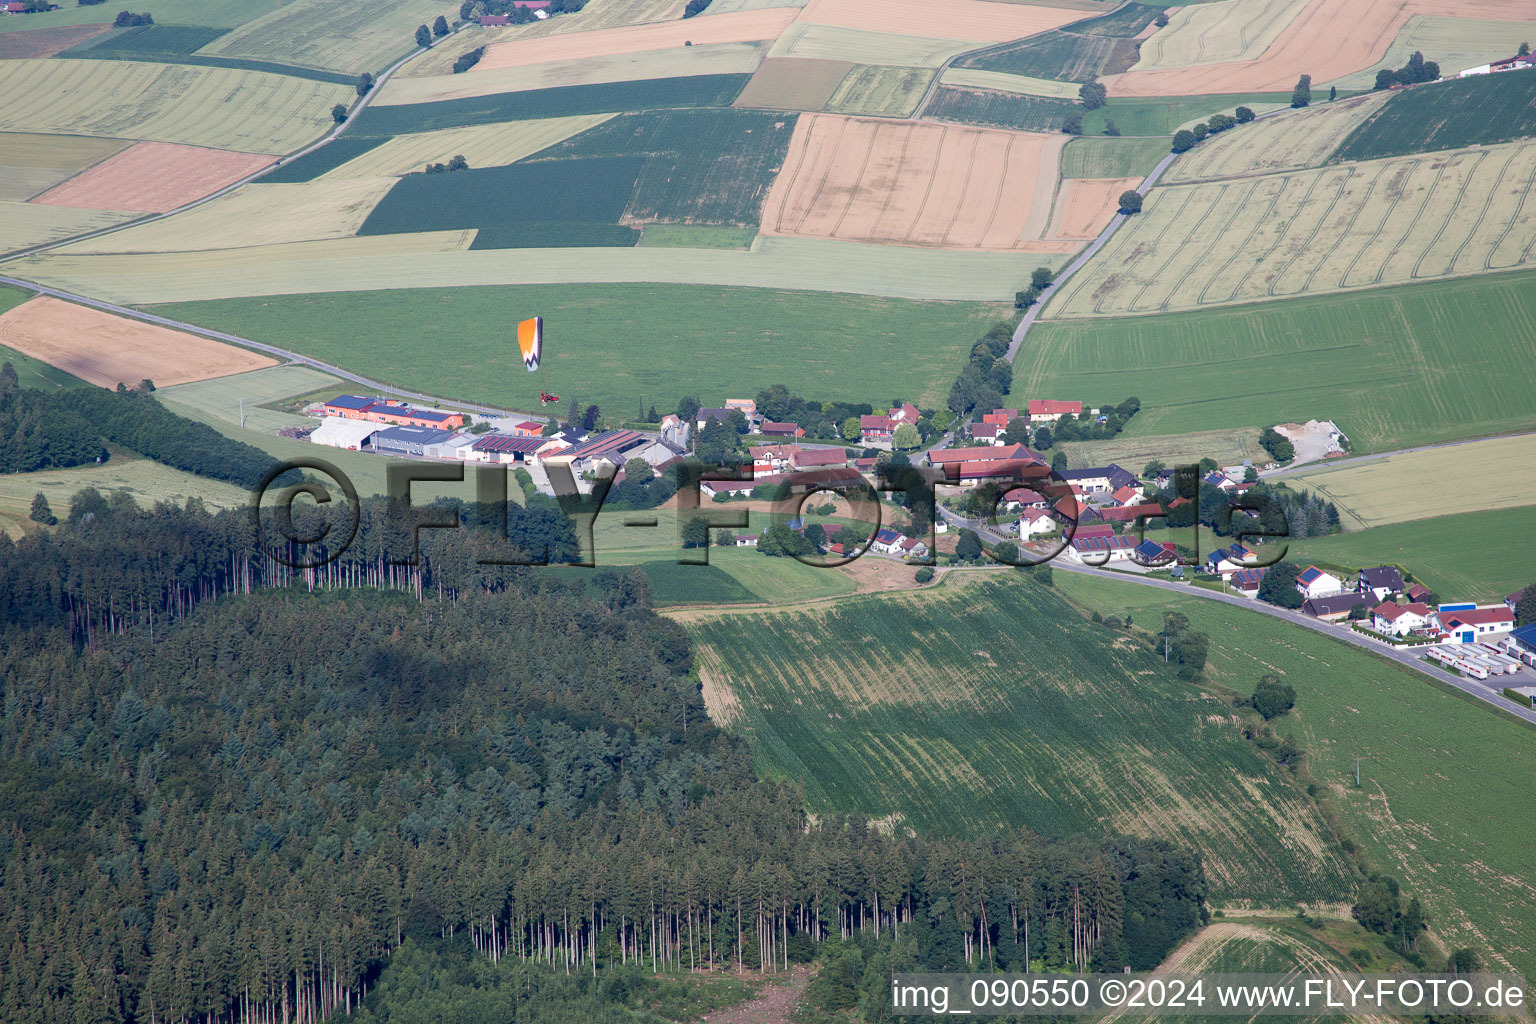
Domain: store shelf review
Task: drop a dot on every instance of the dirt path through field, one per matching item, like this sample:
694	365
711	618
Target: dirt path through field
774	1004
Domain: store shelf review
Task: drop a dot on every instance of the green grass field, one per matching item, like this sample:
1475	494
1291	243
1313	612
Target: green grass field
991	703
1079	52
706	166
1111	158
689	236
214	13
1473	111
1443	805
154	40
1472	556
1392	366
1133	117
364	35
562	101
327	158
621	344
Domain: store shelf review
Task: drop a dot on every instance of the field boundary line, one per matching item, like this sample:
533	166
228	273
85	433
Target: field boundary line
1510	226
1370	189
1323	219
1482	215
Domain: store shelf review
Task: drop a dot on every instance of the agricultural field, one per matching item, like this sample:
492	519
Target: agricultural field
150	42
1468	556
212	13
619	345
564	101
573	192
1228	447
1453	43
709	166
1000	81
1431	482
365	35
719	59
691	236
788	83
30	164
1212	33
257	112
1133	117
28	224
913	184
437	259
107	350
945	19
46	42
960	721
1080	52
487	145
747	26
1111	158
865	46
253	215
1393	366
1436	767
1476	111
153	177
1084	206
875	91
1286	142
1341	228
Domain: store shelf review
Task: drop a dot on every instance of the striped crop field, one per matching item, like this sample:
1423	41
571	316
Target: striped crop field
223	108
993	703
1340	228
880	92
482	145
364	35
864	46
1286	142
1436	767
1214	33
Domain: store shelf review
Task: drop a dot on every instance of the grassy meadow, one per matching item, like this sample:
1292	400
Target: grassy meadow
988	702
1443	804
622	346
1392	366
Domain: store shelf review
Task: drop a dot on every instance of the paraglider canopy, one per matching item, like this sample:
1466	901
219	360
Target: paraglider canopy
530	338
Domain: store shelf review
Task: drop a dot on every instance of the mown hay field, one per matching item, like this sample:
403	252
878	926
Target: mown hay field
364	35
945	19
877	91
1228	447
1393	367
107	350
485	145
619	345
1480	110
1211	33
221	108
27	224
1436	766
153	177
254	215
866	46
1468	556
1336	229
1111	158
790	83
954	716
913	184
438	259
718	59
30	164
1285	142
1495	473
1453	43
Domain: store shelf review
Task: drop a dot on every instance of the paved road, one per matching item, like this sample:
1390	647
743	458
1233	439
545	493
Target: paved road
282	353
330	136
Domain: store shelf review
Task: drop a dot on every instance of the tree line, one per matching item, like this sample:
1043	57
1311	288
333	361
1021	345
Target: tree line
234	790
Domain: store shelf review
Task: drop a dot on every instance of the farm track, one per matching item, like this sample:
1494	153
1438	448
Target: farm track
1482	215
1306	246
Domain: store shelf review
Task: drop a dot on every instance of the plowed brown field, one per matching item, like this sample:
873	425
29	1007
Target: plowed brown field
153	177
45	42
742	27
980	20
944	186
107	350
1319	42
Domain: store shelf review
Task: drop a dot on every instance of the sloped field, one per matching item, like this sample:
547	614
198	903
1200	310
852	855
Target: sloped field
1285	142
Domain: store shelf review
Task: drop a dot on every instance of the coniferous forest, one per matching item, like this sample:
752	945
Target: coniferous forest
236	791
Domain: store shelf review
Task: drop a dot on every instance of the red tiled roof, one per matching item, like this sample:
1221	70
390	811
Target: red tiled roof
1478	617
818	457
982	453
1130	512
1051	407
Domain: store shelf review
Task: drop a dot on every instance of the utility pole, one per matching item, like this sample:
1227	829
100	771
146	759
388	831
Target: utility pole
242	412
1358	759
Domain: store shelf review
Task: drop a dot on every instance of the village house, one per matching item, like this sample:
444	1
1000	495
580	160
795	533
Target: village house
905	413
1331	608
1152	554
1036	523
527	428
816	458
771	429
1467	625
875	429
1417	592
747	406
987	433
702	418
505	448
1046	410
1229	560
1000	417
887	542
1314	582
1130	513
1381	582
1245	582
674	430
1395	619
1100	550
1101	479
911	547
974	463
1127	495
770	458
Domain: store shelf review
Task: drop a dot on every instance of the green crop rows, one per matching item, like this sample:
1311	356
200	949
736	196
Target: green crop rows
1480	110
994	704
1077	53
327	158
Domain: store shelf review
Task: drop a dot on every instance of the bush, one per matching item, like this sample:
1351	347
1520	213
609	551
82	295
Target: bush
1072	124
339	113
1183	139
468	60
1110	128
1130	201
1302	94
1200	131
1277	444
1273	698
924	575
694	7
1093	95
1244	114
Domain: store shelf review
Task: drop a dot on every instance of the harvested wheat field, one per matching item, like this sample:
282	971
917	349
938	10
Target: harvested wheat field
1454	43
943	19
154	177
863	46
907	183
30	164
45	42
747	26
255	214
1085	206
1289	141
107	350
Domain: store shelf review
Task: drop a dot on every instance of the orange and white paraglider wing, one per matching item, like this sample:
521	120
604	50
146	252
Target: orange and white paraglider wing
530	338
